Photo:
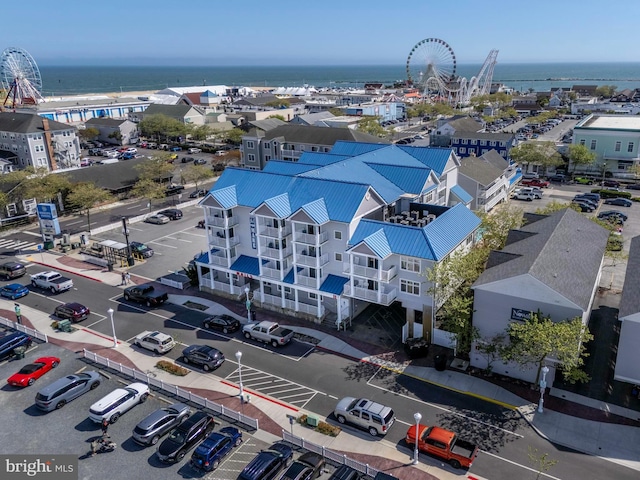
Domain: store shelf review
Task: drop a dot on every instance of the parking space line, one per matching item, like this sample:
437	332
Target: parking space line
163	245
183	240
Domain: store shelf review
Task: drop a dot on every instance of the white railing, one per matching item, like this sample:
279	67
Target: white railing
220	260
277	253
339	458
271	273
310	309
311	238
218	241
370	272
311	260
275	232
172	389
371	295
306	280
24	329
221	221
275	300
174	283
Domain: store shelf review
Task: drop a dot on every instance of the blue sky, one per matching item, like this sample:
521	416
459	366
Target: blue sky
325	32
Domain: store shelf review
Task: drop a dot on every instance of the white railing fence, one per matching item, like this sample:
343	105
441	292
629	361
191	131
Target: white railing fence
24	329
330	455
173	389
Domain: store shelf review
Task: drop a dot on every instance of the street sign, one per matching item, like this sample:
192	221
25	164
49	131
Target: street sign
39	246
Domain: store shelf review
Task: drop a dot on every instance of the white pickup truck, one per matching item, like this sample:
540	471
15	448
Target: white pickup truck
52	281
268	332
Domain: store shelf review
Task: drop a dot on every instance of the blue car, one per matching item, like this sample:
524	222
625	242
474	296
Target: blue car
215	447
14	290
622	202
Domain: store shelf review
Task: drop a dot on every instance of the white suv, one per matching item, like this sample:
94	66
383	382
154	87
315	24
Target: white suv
371	416
518	195
118	402
155	341
195	150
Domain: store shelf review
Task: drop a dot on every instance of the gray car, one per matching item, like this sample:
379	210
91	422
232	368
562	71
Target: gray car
159	423
57	394
208	357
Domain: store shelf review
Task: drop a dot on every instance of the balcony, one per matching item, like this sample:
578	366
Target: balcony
274	232
220	258
221	241
276	253
383	297
382	275
222	222
311	239
270	272
312	260
306	280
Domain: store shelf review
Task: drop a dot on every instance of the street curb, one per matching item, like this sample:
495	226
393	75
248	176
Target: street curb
68	271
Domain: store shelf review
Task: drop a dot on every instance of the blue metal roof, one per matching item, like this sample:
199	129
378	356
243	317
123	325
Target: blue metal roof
378	242
408	179
226	196
280	205
433	241
287	168
248	265
320	158
435	158
317	210
333	284
343	147
461	193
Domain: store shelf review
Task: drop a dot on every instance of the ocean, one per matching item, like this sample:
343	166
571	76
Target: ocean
74	80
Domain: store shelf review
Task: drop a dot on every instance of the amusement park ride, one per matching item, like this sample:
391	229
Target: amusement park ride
20	79
431	68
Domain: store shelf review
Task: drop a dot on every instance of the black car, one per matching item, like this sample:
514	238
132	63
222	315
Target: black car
76	312
184	437
141	249
307	467
611	183
268	463
172	213
198	193
173	190
149	430
222	323
583	206
10	342
187	159
613	215
208	357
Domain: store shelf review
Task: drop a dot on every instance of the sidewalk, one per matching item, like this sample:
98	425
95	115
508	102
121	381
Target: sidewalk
614	442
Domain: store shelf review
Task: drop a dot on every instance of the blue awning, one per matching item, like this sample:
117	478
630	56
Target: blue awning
247	265
333	284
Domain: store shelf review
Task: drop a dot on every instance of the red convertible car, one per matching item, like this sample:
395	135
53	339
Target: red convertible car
30	373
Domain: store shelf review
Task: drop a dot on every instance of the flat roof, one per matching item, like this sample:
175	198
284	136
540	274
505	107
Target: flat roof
615	122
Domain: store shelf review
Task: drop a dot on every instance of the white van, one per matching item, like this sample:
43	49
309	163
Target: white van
108	160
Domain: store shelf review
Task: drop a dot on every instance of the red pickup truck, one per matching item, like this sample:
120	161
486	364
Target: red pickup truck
535	182
443	444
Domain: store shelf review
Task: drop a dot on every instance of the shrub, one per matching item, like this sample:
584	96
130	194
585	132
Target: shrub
172	368
604	193
323	427
614	244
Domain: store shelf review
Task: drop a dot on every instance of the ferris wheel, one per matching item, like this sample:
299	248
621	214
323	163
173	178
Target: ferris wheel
431	66
20	77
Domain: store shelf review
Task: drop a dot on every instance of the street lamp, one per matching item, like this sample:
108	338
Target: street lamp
113	328
246	291
417	417
543	386
239	358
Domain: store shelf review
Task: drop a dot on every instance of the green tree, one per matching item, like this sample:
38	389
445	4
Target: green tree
496	224
149	189
541	462
538	338
555	206
162	127
198	132
606	91
491	349
279	117
152	175
580	155
197	174
88	133
234	136
116	135
371	125
278	103
4	201
85	196
536	153
38	183
336	112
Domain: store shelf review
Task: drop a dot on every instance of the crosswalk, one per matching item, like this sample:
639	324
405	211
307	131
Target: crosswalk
8	245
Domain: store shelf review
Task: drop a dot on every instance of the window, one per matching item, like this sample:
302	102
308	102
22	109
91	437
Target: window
582	142
267	145
630	147
463	150
314	149
483	142
407	286
474	142
593	144
618	144
338	257
250	144
410	264
313	296
337	234
251	157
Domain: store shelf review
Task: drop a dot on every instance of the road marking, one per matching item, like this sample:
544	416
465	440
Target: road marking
183	240
163	245
519	465
193	234
439	407
32	233
74	223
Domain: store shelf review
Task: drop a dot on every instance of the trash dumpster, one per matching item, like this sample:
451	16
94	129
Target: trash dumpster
110	267
48	245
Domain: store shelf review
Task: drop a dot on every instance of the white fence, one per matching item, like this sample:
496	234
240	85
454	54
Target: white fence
330	455
21	328
173	390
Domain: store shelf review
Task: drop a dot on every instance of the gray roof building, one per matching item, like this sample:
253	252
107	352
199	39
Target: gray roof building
320	135
27	123
485	169
628	357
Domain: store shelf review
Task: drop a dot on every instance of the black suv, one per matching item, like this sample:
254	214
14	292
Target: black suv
173	190
10	342
172	213
210	358
268	463
11	270
185	437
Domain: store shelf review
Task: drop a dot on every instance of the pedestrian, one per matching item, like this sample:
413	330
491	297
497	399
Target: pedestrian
105	427
124	278
16	307
127	278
